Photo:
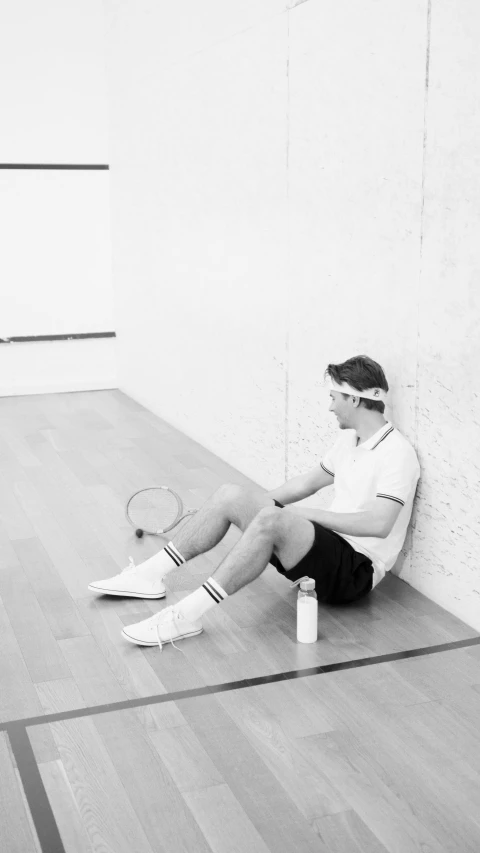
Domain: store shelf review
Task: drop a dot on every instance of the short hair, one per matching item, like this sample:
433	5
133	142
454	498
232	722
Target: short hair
361	372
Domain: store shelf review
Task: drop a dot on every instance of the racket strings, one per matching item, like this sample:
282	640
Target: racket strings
154	509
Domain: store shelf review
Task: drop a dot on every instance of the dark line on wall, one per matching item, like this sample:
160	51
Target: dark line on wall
87	166
238	685
73	337
286	424
37	799
425	108
422	209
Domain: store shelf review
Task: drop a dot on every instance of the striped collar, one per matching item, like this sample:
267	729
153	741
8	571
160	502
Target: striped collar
377	437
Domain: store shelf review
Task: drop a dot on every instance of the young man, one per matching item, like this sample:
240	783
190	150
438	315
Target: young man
346	549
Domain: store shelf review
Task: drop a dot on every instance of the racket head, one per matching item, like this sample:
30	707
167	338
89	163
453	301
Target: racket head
154	510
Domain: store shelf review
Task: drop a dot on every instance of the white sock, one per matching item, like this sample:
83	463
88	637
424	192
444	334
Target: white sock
197	603
156	567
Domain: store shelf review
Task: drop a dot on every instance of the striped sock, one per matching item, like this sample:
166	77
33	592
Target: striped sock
197	603
161	564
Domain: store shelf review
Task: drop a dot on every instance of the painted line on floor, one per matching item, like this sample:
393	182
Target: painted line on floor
40	808
209	689
35	793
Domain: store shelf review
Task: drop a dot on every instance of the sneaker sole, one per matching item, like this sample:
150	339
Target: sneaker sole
126	593
155	642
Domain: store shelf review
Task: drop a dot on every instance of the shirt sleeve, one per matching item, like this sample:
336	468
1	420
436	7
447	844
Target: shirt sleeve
328	461
398	479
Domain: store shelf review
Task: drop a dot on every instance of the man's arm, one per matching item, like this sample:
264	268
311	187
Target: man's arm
302	486
377	522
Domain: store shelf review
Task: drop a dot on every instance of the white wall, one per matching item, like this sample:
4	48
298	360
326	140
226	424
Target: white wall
286	192
199	218
55	260
446	540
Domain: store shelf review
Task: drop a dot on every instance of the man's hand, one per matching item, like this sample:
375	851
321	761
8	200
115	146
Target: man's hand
301	487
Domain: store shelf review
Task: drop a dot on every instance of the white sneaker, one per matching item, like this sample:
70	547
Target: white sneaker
163	627
131	583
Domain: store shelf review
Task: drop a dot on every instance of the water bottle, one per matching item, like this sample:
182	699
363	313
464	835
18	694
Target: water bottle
307	611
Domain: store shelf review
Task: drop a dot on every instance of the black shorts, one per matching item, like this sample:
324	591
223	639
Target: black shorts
341	574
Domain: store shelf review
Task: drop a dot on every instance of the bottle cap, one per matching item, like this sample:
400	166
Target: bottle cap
307	584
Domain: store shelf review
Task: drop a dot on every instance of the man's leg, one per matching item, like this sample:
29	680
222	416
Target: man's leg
230	504
272	529
289	536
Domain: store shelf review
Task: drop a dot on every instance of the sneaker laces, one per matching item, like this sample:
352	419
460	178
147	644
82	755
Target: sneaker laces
130	568
170	620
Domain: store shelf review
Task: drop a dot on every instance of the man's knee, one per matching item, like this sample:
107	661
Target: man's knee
269	518
230	494
241	504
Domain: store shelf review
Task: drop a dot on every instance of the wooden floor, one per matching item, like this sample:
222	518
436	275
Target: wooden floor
367	759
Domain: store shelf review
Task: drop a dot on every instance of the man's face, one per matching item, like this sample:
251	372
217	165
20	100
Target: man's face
342	408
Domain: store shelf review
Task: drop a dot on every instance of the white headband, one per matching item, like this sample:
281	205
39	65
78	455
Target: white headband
370	394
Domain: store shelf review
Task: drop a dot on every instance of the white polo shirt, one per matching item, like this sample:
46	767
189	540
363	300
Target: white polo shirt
385	466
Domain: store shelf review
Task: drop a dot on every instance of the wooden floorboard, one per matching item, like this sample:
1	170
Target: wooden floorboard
371	759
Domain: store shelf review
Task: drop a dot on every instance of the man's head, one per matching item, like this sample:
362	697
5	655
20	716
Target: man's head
360	373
